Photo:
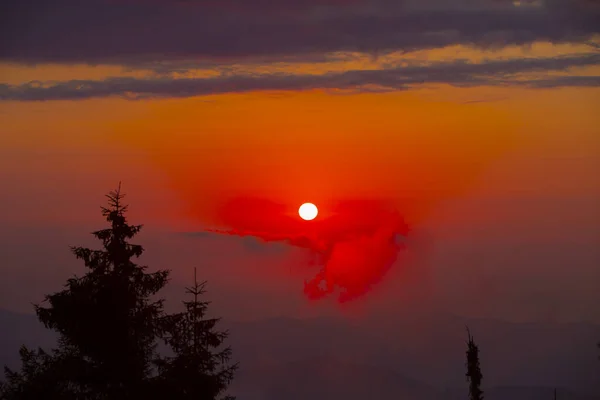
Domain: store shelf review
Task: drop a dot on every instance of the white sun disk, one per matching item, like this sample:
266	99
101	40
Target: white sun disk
308	211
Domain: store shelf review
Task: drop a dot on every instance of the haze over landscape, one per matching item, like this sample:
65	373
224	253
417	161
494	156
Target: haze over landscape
452	149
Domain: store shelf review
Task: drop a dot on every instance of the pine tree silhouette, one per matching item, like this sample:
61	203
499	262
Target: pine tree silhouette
474	375
199	368
106	320
109	324
41	377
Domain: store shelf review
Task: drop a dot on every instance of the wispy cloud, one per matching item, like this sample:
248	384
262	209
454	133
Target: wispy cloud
458	73
353	248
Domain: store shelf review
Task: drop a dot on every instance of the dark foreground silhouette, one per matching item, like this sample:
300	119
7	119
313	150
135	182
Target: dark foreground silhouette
109	326
474	375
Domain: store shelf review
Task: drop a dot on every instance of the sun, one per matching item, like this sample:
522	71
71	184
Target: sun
308	211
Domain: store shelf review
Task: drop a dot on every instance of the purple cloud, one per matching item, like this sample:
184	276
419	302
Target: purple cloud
457	73
129	32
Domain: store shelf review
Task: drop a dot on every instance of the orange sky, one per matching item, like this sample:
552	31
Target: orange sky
439	152
423	145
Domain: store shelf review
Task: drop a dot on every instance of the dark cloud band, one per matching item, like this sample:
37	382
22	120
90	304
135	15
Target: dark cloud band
128	32
458	73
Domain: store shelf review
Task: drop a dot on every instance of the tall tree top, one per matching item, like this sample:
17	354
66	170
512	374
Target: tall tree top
107	317
115	238
474	375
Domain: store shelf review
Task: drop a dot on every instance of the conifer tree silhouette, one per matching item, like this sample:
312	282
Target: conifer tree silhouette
106	321
474	375
41	377
109	323
200	366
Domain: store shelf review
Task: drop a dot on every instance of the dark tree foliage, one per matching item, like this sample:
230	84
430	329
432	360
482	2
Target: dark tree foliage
40	377
474	375
109	323
106	320
199	368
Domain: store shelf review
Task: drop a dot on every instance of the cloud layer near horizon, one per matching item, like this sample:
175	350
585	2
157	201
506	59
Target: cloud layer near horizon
456	73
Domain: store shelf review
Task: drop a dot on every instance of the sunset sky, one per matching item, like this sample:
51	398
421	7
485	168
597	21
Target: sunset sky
478	120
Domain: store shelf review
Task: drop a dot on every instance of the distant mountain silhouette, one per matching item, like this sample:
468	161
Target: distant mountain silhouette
324	358
324	378
512	354
328	378
526	393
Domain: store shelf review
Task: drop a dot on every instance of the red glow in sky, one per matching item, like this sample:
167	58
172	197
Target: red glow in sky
353	243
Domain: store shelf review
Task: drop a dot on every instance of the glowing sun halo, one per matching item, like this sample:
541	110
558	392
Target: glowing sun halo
308	211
